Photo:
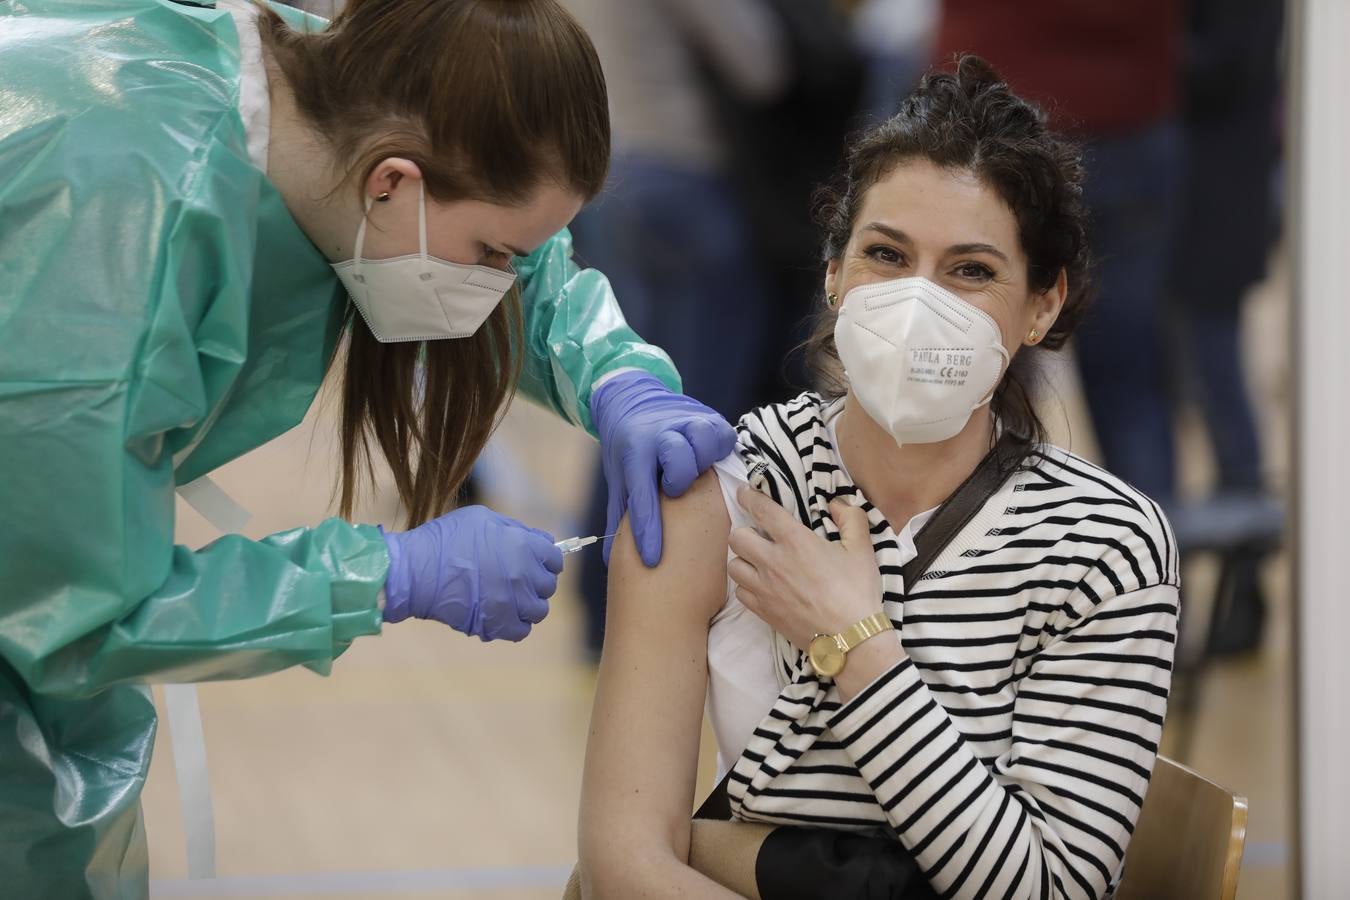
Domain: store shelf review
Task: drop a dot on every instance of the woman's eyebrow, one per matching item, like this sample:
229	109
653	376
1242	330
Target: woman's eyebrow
894	234
960	249
900	237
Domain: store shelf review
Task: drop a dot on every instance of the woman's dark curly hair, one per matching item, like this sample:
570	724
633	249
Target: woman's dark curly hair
970	120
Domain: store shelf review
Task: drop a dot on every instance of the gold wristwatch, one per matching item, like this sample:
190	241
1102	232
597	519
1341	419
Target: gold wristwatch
829	652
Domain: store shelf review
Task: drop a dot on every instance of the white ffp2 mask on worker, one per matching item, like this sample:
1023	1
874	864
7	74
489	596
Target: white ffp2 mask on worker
419	297
918	358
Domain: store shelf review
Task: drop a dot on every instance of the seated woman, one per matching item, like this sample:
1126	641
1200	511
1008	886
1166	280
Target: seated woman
1004	729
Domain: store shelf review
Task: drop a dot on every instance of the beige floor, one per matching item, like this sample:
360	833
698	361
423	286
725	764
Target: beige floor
429	765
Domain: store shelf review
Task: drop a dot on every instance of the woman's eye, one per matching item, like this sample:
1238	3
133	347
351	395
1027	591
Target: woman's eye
884	254
974	271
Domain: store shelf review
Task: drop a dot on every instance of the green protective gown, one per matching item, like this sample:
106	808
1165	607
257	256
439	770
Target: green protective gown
161	314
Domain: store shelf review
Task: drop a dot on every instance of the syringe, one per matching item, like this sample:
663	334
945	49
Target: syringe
573	544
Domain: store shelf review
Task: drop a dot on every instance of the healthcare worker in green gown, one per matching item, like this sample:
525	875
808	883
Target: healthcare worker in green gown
203	208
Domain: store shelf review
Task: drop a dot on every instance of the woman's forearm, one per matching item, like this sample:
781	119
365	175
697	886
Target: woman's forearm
651	874
867	662
1060	806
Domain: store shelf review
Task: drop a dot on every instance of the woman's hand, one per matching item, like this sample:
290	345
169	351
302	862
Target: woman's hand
798	582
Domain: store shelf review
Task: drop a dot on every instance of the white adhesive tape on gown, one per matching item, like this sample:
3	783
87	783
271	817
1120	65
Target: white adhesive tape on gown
194	782
215	506
184	710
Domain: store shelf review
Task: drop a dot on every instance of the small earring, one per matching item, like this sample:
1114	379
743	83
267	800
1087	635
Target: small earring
382	197
1034	337
831	299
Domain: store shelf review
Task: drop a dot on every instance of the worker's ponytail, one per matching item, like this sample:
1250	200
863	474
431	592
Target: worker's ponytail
490	98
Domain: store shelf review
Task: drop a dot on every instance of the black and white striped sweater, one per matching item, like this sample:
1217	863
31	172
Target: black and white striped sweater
1011	750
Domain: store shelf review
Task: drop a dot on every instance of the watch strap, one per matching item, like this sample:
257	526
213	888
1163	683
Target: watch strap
863	629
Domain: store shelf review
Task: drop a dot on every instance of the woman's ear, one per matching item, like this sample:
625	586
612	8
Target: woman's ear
832	277
391	175
1047	305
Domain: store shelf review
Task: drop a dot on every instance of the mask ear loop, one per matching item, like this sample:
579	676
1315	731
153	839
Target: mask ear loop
361	238
422	228
1007	363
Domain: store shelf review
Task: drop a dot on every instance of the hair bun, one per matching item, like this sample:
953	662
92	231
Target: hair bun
976	75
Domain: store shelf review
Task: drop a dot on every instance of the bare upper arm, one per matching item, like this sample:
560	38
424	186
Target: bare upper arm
642	753
693	561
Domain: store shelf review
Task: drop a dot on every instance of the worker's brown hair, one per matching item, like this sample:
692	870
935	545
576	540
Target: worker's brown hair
491	99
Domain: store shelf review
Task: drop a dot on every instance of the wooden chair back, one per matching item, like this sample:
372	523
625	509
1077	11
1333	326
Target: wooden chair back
1187	844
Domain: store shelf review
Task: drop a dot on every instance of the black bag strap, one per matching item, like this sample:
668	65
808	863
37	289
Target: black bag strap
952	516
958	509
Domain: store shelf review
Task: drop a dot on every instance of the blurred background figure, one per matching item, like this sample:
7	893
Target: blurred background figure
1108	74
1230	222
723	123
670	225
896	39
781	149
1175	104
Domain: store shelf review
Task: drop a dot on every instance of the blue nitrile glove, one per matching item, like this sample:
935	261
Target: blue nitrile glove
478	572
644	426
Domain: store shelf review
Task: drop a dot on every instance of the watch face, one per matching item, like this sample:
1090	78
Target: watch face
826	657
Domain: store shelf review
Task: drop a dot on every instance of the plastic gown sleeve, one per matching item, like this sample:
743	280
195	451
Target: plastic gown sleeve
123	333
575	333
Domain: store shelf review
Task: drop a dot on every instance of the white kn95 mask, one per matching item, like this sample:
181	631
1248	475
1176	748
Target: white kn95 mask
919	359
418	297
